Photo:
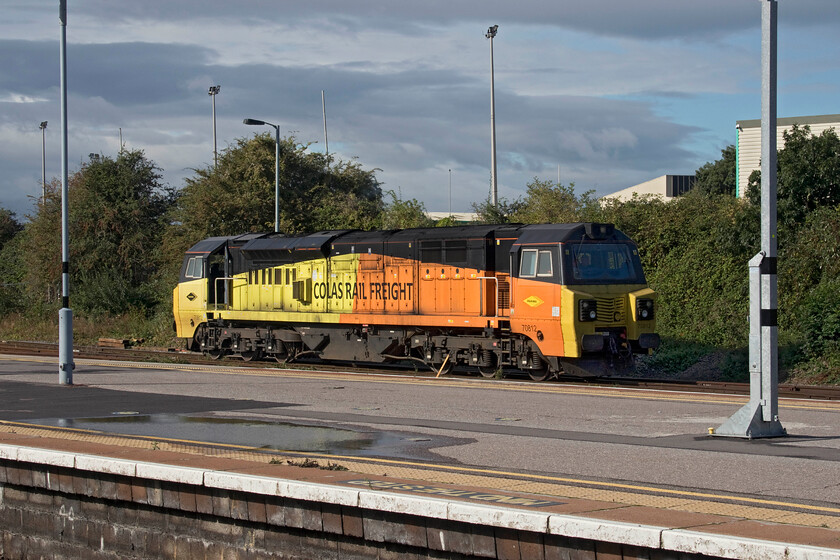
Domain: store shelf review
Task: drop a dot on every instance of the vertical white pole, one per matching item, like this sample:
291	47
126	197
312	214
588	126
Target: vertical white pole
65	314
760	417
769	293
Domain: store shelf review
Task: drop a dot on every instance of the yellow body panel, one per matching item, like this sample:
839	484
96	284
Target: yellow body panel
190	305
616	309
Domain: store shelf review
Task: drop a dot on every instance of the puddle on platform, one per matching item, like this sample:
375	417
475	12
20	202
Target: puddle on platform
237	431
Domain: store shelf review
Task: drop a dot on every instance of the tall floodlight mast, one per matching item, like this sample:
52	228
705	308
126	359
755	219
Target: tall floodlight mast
494	181
43	127
213	92
760	417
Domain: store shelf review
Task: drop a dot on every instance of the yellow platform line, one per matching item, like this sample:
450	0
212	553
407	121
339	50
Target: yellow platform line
769	510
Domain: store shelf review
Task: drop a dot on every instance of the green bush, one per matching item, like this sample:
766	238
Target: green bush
819	320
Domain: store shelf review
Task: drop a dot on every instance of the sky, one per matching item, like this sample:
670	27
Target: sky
604	94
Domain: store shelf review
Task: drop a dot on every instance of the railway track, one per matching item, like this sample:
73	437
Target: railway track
171	355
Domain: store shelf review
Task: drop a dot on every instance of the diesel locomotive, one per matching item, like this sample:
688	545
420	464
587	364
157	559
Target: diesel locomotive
543	299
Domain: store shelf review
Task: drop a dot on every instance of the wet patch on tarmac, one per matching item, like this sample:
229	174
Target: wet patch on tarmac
260	434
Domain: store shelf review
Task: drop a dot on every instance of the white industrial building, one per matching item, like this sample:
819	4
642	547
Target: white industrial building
748	146
665	187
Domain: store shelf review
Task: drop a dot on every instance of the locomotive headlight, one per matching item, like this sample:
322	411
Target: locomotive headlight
644	309
587	310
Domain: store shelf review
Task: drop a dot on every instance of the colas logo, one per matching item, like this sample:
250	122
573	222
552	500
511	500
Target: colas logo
534	301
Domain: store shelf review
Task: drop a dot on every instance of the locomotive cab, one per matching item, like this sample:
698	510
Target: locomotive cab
201	288
602	311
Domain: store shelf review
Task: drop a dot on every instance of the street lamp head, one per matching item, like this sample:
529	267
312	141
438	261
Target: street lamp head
492	32
43	125
214	90
254	122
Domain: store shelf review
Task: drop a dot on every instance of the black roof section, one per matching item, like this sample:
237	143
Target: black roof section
213	244
562	233
273	246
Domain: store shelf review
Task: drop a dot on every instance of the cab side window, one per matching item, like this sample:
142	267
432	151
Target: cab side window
195	268
544	265
535	263
528	263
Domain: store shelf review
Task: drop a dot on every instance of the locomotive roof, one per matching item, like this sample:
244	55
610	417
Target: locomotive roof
266	245
212	244
561	233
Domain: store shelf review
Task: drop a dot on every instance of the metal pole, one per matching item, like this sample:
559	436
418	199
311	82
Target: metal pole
44	162
65	314
760	417
214	90
450	193
493	173
215	149
769	291
276	178
324	110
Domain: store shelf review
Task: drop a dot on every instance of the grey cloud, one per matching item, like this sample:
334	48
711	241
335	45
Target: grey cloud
640	19
120	73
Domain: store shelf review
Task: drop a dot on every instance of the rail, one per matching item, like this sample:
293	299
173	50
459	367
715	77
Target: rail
787	390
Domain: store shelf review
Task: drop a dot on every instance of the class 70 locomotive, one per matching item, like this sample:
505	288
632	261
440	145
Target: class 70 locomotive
543	299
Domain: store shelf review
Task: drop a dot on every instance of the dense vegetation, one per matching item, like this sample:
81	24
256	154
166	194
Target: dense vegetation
129	232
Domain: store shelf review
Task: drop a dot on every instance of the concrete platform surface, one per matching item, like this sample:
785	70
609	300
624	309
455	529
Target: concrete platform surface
575	458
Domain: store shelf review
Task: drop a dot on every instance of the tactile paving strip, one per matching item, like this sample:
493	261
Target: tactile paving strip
770	510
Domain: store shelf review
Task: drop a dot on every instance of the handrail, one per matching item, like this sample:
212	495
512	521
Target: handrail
216	287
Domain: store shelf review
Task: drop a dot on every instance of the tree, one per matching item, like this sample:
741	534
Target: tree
547	202
9	226
33	258
502	213
117	210
808	175
238	196
402	214
718	177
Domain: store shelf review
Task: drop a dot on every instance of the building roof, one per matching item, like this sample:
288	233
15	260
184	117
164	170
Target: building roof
790	121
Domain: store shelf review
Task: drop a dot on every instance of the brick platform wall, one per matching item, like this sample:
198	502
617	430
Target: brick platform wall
51	511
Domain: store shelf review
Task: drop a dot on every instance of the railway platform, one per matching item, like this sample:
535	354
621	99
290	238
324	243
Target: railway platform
203	497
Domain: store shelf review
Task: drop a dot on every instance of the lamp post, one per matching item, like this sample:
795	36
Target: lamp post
493	179
43	128
213	92
255	122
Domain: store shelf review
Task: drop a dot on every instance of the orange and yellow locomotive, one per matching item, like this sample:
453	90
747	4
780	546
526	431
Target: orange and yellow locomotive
544	299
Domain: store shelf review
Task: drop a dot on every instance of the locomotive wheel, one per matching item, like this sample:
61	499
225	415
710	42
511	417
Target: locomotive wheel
250	355
447	367
489	370
216	353
540	374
